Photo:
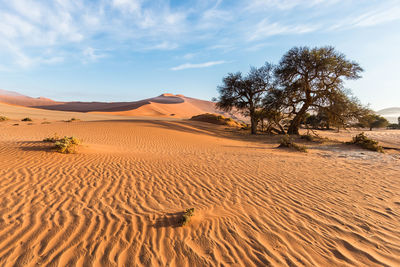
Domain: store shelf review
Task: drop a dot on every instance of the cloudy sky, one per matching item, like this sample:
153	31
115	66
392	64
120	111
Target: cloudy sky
112	50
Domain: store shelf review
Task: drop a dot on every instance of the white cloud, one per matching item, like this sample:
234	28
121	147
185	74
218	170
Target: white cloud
127	5
266	29
371	18
92	54
197	66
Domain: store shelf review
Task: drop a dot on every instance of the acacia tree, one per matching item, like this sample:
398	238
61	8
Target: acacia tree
245	93
310	79
374	121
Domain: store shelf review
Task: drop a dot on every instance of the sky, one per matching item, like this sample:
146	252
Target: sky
126	50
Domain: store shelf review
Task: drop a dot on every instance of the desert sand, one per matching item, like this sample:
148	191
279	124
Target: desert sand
118	201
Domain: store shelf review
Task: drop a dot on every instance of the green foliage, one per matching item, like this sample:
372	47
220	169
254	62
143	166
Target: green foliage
363	141
373	121
310	79
3	118
245	93
393	126
288	142
187	215
26	119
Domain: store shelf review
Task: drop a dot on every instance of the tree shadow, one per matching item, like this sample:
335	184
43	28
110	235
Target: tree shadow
173	220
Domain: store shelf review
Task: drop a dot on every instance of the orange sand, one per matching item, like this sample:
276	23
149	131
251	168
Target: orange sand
119	200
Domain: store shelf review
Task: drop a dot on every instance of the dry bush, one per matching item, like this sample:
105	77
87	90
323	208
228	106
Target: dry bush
3	118
288	142
367	143
187	215
217	119
26	119
65	145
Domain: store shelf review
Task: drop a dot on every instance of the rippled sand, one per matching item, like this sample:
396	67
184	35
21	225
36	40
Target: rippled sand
119	200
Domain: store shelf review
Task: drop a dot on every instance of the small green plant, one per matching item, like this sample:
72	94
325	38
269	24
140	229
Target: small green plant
288	142
187	215
367	143
26	119
66	145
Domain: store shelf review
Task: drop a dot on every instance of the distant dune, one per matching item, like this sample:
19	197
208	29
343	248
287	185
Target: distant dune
391	114
165	105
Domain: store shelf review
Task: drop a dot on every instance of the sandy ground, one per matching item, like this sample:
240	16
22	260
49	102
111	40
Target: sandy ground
119	200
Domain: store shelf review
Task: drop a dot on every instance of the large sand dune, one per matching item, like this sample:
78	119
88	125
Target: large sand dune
165	105
119	200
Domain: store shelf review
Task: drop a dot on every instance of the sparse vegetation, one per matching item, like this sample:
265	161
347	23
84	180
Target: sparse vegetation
288	142
307	137
217	119
72	120
187	215
26	119
373	121
367	143
65	145
46	122
3	118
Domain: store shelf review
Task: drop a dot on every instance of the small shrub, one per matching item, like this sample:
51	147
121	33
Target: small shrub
46	122
307	137
65	145
15	124
216	119
3	118
187	215
288	142
26	119
72	120
367	143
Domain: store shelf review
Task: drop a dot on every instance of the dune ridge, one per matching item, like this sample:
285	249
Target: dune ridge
164	105
118	202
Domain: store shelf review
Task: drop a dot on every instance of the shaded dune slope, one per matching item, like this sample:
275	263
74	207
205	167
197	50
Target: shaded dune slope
163	105
118	201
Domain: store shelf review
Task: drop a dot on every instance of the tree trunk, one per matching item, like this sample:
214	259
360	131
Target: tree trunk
295	124
253	120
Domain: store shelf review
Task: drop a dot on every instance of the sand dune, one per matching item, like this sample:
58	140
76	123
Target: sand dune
118	201
165	105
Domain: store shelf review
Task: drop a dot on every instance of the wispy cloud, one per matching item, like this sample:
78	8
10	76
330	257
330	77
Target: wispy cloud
265	29
91	55
52	32
370	18
198	65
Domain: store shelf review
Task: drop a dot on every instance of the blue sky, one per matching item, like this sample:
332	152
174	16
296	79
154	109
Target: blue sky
120	50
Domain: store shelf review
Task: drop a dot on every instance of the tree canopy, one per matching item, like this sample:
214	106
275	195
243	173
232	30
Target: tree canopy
245	93
306	80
